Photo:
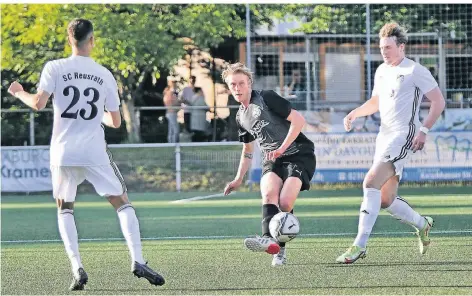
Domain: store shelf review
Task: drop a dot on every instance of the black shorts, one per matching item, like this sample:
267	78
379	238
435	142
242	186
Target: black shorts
301	165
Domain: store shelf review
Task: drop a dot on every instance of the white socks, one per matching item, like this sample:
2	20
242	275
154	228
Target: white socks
401	210
130	228
370	209
68	231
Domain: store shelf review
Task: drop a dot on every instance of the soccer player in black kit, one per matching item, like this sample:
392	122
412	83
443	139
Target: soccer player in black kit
288	155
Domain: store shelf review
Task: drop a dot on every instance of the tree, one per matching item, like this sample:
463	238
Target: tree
133	41
351	18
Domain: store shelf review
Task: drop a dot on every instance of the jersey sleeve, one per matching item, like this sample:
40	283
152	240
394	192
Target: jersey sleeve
277	104
243	134
423	79
112	99
47	82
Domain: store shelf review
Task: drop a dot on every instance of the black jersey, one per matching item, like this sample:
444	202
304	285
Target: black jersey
265	120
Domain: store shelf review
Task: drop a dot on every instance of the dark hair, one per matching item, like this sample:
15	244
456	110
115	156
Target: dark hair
193	78
79	30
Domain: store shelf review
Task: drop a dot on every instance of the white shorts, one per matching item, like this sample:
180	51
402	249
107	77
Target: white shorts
394	148
106	179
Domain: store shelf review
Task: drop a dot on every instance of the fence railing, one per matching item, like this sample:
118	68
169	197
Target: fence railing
145	167
458	101
341	158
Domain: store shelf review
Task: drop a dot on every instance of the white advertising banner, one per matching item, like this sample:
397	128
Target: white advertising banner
25	169
346	157
442	149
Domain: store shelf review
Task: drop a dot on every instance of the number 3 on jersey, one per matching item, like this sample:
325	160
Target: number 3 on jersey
75	99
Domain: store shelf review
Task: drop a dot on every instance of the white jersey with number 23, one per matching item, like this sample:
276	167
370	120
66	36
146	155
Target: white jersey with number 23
82	90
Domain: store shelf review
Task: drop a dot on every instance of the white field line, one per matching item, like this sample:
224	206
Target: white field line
199	197
227	236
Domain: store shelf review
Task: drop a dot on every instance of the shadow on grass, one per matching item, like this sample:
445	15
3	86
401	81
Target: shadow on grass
390	264
186	290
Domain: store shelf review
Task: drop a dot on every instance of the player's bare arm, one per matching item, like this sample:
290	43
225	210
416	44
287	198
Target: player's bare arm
368	108
296	124
244	165
36	101
112	119
437	107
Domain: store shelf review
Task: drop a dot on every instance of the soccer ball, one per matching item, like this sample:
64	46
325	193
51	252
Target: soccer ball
284	227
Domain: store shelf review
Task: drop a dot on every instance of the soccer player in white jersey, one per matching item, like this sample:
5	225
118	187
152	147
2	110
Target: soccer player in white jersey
82	91
399	86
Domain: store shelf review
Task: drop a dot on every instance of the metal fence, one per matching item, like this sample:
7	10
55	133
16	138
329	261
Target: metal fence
340	68
31	126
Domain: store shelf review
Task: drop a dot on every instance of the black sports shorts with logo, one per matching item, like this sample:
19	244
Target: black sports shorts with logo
301	165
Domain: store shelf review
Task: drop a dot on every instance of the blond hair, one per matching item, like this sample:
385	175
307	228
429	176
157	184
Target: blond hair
235	69
394	30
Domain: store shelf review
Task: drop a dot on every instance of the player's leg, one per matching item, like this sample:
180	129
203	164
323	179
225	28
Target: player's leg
289	193
288	196
399	207
401	210
298	172
378	174
271	184
108	181
129	225
65	181
389	191
370	207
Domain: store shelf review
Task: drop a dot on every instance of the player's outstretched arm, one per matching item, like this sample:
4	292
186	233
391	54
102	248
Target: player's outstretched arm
36	101
437	107
112	119
244	165
368	108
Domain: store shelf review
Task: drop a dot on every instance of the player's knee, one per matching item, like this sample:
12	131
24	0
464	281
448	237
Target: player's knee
62	205
385	204
387	199
286	203
118	201
369	182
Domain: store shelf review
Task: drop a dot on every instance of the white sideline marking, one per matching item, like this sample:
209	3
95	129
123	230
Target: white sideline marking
199	197
227	236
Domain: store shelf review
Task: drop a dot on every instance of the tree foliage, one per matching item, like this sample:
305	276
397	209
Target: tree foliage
133	41
351	18
136	41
